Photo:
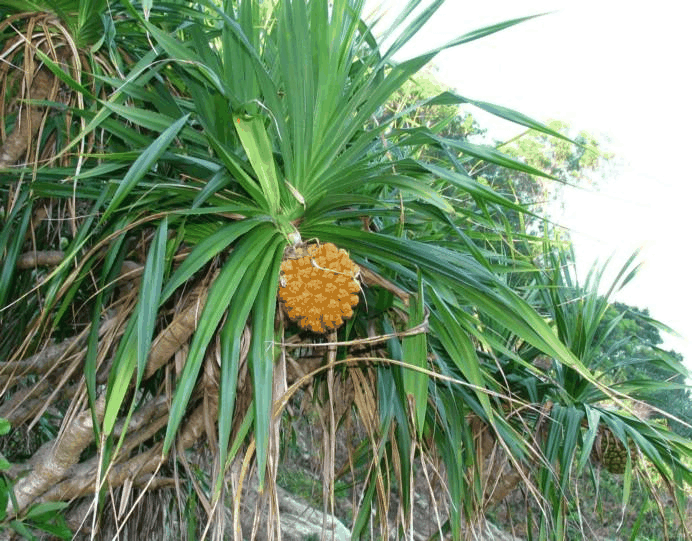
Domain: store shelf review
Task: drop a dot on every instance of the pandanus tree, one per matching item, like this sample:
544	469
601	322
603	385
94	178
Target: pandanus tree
247	228
580	426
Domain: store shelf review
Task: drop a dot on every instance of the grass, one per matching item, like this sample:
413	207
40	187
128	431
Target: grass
309	489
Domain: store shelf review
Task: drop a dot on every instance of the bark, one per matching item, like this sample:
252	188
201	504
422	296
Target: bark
500	476
504	484
21	408
178	332
54	472
53	460
25	402
82	480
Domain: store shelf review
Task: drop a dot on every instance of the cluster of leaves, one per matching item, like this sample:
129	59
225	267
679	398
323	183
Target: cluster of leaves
632	352
219	134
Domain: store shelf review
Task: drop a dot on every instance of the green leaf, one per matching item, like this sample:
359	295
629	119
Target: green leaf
243	431
593	417
5	426
416	187
231	336
471	186
365	510
58	528
143	164
235	167
511	115
120	375
409	32
45	508
134	346
153	121
248	249
415	352
258	147
184	55
261	361
150	293
13	238
627	480
483	152
207	249
62	75
460	348
486	31
5	489
638	522
111	268
141	70
19	527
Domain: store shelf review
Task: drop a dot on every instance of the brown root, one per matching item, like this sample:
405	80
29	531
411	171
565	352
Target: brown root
178	332
53	460
29	120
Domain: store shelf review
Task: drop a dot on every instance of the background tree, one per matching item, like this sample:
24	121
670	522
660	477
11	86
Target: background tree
613	349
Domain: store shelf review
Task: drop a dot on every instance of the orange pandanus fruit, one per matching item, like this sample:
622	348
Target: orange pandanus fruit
319	290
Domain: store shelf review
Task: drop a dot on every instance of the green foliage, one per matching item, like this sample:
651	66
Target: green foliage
227	132
595	510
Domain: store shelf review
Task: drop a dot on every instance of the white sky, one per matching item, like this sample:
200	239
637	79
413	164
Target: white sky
619	71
